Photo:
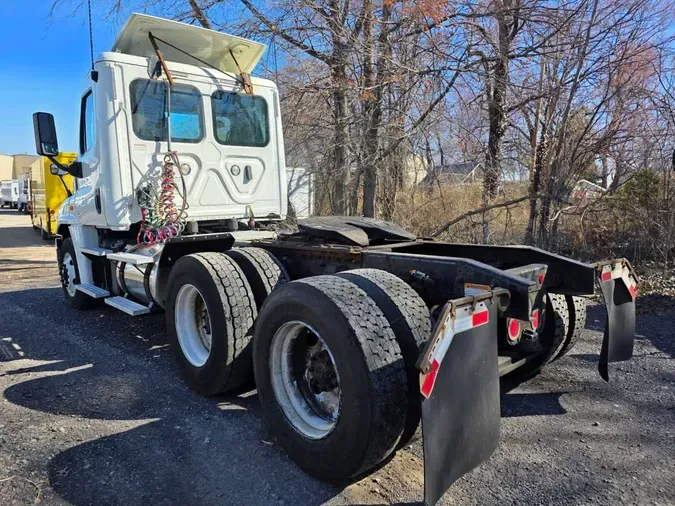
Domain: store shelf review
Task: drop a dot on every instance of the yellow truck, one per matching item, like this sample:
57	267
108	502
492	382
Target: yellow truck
47	192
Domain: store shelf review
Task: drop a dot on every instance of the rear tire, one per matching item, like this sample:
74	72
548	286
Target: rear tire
69	273
209	314
576	307
263	271
410	320
368	370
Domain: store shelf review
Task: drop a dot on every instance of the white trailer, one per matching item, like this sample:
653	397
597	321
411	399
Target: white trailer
16	193
6	193
23	188
300	191
180	182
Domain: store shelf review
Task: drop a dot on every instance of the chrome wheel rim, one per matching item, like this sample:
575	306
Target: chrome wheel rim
305	380
193	325
68	277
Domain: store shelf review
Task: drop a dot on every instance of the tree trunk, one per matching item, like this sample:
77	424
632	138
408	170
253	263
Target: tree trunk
497	106
341	148
338	64
374	84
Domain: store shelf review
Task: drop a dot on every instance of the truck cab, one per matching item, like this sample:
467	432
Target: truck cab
229	144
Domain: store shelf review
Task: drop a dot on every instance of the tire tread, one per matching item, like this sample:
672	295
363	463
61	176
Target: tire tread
263	271
381	353
240	312
409	317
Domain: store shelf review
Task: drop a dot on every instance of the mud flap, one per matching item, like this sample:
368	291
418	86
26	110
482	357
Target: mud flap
619	289
460	396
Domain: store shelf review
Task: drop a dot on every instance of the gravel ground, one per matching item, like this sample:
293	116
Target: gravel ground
93	412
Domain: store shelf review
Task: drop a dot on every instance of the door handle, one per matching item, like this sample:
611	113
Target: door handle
97	200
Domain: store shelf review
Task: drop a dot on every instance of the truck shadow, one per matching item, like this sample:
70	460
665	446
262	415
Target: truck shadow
183	449
532	404
138	434
20	237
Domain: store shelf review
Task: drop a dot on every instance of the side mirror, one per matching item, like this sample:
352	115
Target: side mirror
56	171
46	143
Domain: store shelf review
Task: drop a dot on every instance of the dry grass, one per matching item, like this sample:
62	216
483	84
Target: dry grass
425	212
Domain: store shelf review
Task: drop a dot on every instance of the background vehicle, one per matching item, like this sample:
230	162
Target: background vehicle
364	334
24	191
10	193
6	193
47	193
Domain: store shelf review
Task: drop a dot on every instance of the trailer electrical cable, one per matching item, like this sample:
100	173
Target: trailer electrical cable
160	218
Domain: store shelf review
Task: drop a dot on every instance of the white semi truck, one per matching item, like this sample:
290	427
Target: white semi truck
355	331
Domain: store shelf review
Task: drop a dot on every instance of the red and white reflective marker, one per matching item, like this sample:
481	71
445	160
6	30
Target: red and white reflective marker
464	320
617	271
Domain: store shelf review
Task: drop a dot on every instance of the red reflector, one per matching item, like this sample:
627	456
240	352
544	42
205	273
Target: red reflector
633	291
52	213
513	328
534	319
540	278
606	276
479	318
430	379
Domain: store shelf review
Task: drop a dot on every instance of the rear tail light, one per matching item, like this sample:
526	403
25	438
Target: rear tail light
513	330
534	319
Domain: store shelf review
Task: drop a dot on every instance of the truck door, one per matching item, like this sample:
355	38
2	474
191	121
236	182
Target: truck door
248	175
89	196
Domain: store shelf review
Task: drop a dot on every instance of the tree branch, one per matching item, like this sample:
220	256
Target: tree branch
482	210
288	38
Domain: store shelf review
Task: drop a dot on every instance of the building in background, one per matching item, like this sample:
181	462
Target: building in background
453	173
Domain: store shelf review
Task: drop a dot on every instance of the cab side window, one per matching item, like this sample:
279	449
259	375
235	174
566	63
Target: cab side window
87	123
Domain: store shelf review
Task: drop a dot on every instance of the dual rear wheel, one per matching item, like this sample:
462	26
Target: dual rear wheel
333	356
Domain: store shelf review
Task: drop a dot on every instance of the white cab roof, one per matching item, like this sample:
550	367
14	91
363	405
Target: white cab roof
207	45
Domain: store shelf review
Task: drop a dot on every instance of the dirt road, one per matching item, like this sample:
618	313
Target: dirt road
93	412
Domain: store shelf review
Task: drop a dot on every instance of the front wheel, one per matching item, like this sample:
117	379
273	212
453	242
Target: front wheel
70	276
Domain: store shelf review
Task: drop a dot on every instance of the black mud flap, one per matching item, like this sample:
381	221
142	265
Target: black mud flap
460	396
619	288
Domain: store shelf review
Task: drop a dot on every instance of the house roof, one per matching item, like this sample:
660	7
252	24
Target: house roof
456	172
464	168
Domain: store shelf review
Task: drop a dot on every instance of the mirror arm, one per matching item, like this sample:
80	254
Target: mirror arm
63	168
70	194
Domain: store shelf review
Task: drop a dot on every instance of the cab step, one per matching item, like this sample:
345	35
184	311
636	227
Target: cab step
131	258
97	252
127	306
93	291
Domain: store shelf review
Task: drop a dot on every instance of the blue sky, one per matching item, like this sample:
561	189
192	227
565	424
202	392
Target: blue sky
43	63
